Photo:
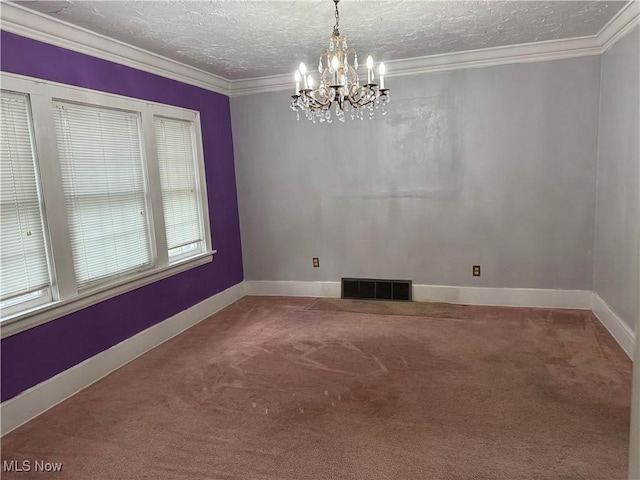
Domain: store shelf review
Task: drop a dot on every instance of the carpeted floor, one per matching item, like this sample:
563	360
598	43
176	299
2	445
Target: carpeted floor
297	388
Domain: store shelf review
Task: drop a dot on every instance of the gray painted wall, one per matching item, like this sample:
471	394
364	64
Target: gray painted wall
617	238
492	166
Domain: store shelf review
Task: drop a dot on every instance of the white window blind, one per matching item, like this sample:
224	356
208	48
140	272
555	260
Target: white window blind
25	272
102	174
179	186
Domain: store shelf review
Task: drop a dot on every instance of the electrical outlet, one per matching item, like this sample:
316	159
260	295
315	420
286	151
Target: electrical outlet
476	270
316	262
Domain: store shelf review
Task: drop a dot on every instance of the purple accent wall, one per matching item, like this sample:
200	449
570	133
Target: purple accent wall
35	355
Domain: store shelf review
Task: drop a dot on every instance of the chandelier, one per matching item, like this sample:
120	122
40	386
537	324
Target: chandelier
339	84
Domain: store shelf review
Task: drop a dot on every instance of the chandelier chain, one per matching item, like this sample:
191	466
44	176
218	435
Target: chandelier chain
336	27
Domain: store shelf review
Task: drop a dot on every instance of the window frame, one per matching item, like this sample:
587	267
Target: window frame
197	146
65	295
95	283
44	295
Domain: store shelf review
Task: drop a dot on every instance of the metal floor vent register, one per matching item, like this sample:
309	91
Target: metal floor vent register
370	289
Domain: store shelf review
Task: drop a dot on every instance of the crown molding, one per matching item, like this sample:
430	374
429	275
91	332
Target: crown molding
485	57
620	25
494	56
251	86
31	24
37	26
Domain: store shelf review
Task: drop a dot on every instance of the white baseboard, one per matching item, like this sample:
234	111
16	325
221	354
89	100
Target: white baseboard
505	297
293	289
515	297
40	398
616	326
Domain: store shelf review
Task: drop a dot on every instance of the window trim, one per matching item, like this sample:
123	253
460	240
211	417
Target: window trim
200	174
66	297
46	292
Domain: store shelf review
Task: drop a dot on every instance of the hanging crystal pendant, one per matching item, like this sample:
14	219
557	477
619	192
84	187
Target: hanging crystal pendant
320	65
355	62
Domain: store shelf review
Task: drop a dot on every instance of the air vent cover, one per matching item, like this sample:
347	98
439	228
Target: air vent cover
371	289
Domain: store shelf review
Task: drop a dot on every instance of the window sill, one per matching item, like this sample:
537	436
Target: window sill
37	316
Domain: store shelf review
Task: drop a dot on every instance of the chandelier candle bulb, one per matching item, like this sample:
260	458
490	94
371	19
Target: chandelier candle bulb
369	69
381	71
303	72
297	77
310	82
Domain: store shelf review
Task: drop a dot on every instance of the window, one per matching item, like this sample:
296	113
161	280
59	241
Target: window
122	182
25	273
179	185
101	165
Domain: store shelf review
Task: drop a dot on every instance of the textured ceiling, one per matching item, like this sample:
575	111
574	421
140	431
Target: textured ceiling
245	39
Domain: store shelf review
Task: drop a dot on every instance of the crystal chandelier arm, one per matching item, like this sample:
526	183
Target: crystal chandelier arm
362	100
354	92
323	102
359	96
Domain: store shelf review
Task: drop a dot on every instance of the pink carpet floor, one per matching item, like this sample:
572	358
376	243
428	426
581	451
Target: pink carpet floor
297	388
